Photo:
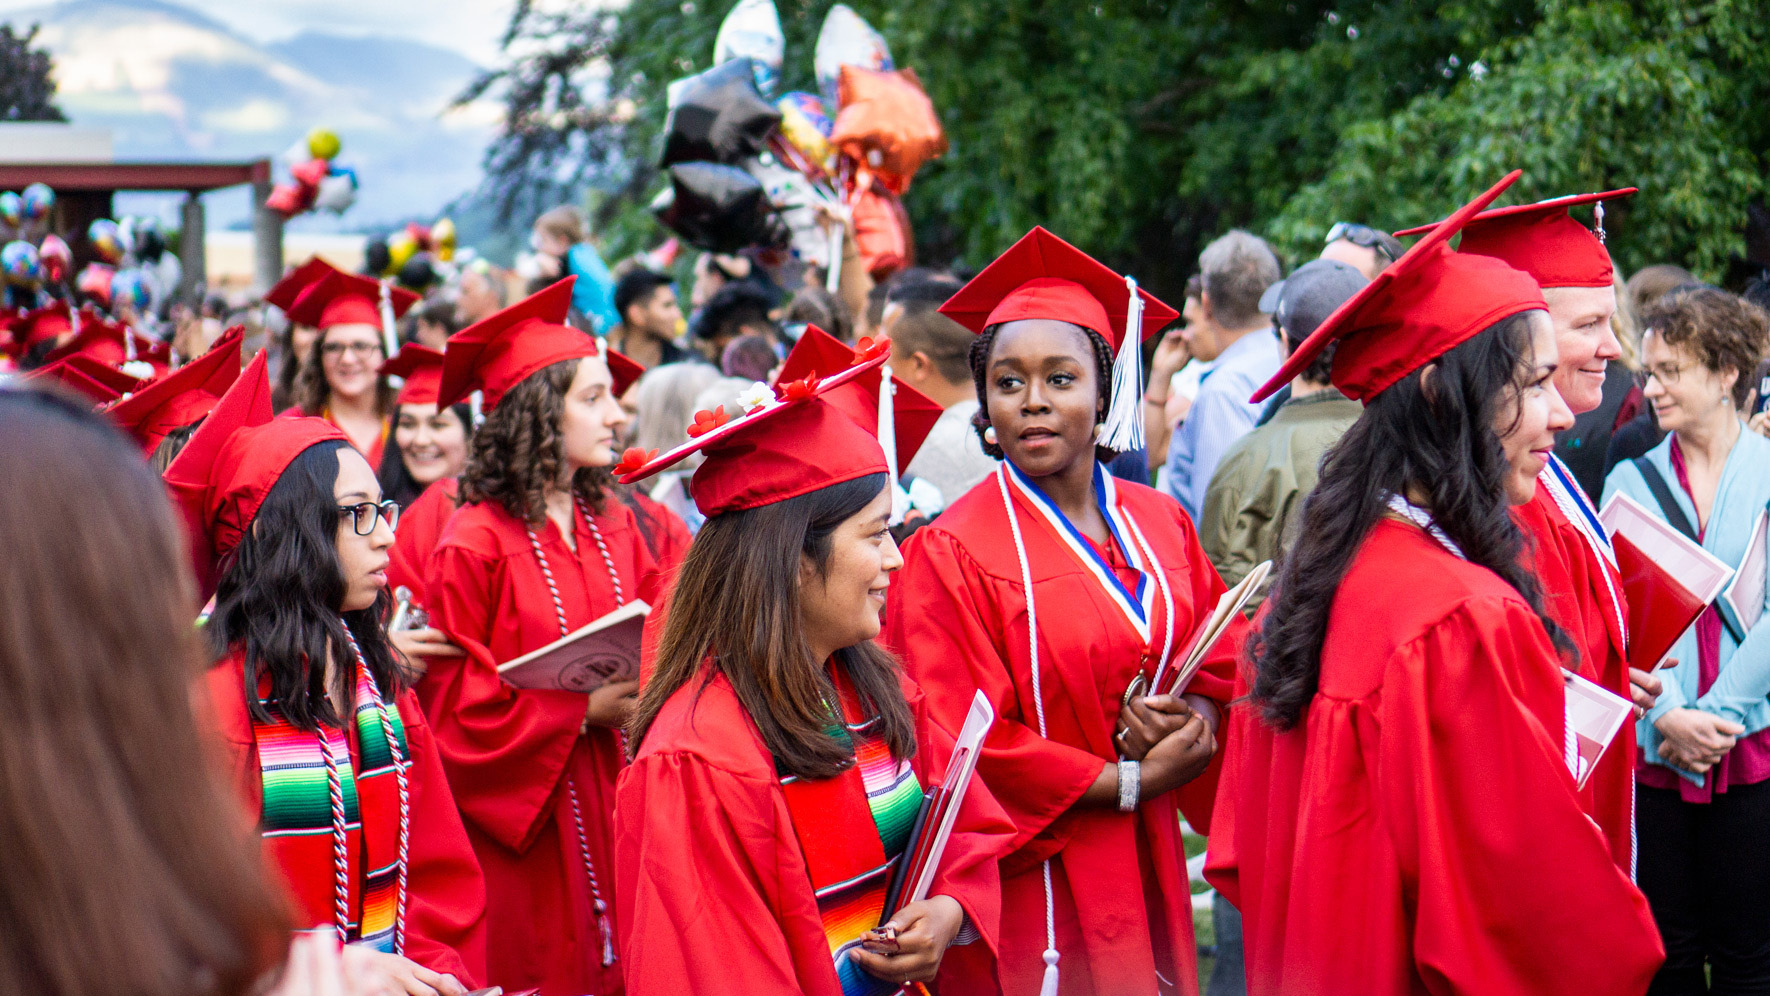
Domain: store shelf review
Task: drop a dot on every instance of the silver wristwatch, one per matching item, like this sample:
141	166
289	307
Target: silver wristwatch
1130	785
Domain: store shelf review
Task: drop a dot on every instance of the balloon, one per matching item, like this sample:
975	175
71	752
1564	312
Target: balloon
753	31
719	117
442	237
376	258
882	233
401	246
310	173
797	201
55	258
95	282
290	199
888	123
322	143
106	239
35	202
150	241
18	261
11	208
418	274
718	208
846	39
335	194
128	288
804	123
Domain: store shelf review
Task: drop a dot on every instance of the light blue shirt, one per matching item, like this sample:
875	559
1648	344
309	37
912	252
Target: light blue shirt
1220	415
594	293
1740	688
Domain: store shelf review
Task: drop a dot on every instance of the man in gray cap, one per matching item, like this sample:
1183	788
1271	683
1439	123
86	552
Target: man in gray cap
1260	484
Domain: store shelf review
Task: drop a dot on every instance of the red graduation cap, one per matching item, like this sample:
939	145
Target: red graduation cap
111	342
913	413
286	291
38	324
1425	304
98	381
801	438
1543	240
1042	276
501	351
182	396
347	299
221	477
422	369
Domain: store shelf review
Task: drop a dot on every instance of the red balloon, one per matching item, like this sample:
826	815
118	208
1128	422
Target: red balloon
55	258
95	283
290	199
882	231
310	173
888	124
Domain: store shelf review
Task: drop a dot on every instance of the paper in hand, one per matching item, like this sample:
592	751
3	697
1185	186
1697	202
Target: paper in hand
1173	680
603	651
1594	716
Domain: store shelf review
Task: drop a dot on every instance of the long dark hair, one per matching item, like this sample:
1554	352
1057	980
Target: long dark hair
397	483
737	598
126	867
1439	441
982	346
518	454
279	596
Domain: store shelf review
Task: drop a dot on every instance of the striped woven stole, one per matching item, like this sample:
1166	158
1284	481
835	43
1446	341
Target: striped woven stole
300	813
852	829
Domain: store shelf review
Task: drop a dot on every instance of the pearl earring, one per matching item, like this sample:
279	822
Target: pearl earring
1097	427
989	434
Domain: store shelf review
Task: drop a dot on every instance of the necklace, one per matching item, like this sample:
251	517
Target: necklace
571	786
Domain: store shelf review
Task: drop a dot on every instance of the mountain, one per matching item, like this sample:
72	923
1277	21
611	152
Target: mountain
173	84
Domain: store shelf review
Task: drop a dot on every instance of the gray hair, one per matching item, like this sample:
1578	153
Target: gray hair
1237	268
665	403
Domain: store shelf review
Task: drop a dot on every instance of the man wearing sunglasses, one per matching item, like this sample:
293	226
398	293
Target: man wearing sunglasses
1361	247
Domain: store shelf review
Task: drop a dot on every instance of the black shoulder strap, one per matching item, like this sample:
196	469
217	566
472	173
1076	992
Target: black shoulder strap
1662	493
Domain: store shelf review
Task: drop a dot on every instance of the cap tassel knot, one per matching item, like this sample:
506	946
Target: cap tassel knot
1123	429
1598	220
1049	986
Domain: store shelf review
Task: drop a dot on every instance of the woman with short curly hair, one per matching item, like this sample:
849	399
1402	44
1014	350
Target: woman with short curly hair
536	552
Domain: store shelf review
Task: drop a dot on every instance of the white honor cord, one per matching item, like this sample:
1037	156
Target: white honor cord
1049	986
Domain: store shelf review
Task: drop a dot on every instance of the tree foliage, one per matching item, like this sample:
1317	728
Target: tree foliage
1139	129
27	90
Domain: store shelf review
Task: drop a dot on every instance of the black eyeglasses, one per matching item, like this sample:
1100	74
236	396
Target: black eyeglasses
362	516
1366	236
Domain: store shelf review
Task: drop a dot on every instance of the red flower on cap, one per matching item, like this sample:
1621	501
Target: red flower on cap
870	349
798	390
635	458
706	421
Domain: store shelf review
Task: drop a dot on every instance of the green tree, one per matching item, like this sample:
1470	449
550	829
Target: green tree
1139	130
27	90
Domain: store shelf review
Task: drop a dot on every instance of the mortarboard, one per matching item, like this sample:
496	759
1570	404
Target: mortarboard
284	292
1543	240
182	396
1042	276
347	299
98	381
421	367
913	413
1425	304
501	351
38	324
114	343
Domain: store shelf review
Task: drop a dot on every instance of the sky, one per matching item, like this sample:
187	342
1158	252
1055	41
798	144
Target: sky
470	27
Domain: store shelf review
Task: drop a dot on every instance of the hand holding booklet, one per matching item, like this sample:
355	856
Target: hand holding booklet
915	871
603	651
1594	716
1668	579
1173	680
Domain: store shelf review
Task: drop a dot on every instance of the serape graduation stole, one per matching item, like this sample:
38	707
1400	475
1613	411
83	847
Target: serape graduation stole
853	829
339	834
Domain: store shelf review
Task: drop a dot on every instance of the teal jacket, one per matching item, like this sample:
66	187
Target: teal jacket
1739	693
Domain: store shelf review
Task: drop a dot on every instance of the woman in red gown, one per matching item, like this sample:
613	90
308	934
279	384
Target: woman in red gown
537	552
1398	814
1086	766
333	758
341	380
779	753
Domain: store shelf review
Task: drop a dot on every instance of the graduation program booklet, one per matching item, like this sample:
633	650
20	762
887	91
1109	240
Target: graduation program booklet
1668	578
605	650
1173	681
1594	716
1743	602
940	809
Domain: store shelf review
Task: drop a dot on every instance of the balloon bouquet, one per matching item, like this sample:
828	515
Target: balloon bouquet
318	181
417	257
784	175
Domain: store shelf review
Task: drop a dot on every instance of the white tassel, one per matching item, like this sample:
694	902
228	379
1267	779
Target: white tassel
475	402
1123	431
1049	986
888	442
389	337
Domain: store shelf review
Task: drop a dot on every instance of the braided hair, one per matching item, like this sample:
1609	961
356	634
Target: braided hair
983	345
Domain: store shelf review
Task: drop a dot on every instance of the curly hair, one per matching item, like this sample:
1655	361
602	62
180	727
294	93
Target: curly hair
985	343
1721	331
311	392
518	455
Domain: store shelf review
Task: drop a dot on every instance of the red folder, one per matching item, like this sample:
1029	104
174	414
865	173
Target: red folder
1667	579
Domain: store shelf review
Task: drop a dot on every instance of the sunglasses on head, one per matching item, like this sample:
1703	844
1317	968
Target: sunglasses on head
1360	235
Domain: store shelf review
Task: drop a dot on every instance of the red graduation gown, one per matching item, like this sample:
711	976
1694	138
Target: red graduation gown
1577	597
714	892
1418	831
420	529
512	756
445	893
957	616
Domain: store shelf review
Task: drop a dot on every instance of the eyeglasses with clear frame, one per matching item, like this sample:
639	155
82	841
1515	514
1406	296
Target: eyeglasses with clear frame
363	349
363	515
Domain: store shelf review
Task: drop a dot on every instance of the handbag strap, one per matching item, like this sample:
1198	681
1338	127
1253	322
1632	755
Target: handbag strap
1662	493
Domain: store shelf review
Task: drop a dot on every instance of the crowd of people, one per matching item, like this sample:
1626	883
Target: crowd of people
261	736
